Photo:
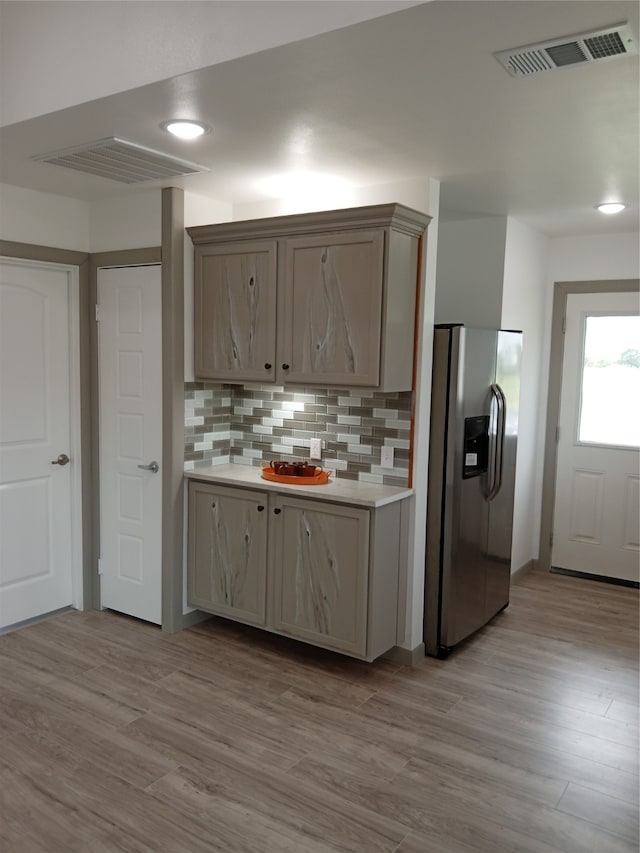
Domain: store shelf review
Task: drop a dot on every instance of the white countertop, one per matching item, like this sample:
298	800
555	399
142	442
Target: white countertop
341	491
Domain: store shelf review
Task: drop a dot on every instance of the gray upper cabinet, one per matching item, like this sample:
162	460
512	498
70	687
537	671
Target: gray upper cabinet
235	311
330	308
335	302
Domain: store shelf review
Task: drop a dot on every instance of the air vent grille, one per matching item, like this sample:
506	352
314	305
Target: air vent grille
122	161
610	43
566	54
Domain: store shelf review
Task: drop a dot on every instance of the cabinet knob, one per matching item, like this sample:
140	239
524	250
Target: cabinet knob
277	511
267	366
285	367
260	507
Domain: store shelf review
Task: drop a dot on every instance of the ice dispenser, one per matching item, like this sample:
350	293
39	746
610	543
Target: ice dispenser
476	446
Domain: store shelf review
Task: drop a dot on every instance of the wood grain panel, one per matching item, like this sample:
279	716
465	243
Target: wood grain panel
117	737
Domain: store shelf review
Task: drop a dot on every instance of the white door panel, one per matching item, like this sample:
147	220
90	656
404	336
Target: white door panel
596	517
130	355
630	533
36	546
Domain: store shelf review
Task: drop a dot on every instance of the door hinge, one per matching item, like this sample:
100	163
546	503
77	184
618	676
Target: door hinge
100	566
564	325
551	540
557	434
97	313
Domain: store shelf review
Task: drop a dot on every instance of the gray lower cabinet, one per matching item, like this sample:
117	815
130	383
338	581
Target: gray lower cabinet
322	572
228	551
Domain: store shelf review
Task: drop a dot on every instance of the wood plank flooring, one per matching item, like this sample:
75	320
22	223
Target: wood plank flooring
115	737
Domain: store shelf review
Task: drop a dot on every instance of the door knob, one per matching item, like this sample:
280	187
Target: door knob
63	459
152	466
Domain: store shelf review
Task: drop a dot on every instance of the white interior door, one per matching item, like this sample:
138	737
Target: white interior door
596	516
37	453
130	370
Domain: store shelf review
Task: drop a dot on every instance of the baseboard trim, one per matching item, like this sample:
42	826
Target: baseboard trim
194	618
35	619
517	576
405	657
598	578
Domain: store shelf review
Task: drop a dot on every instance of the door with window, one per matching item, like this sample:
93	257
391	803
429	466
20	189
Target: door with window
597	510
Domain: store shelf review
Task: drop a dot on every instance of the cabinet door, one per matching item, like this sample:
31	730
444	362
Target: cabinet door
235	311
227	551
331	303
320	573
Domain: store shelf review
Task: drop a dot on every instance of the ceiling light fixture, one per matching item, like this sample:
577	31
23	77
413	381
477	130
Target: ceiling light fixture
611	207
185	128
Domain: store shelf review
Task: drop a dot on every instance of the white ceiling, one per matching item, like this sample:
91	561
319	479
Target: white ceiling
406	96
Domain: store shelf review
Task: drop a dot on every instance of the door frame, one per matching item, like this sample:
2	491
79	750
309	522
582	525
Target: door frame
75	263
561	291
97	262
171	257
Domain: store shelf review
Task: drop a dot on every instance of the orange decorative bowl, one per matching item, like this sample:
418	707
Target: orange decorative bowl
321	476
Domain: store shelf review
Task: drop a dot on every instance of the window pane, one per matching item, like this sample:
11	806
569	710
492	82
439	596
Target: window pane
610	410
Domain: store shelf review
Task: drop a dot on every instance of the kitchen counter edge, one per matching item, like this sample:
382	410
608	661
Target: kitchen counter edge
353	492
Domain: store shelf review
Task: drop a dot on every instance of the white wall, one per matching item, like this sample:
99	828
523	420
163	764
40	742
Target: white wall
413	628
597	256
132	220
128	221
44	219
413	194
470	271
523	307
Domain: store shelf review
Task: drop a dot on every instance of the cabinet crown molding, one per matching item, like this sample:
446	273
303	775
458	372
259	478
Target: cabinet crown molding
394	216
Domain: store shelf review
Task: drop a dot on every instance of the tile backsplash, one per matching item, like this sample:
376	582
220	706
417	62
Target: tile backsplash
246	424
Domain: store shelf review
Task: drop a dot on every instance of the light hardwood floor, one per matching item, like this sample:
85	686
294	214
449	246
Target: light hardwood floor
115	737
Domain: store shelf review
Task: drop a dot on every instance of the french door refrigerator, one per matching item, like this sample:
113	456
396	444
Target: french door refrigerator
472	459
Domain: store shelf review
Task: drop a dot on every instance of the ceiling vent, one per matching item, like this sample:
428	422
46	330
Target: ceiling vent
609	43
120	160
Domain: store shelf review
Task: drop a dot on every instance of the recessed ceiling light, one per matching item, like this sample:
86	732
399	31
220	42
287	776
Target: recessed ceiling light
184	128
611	207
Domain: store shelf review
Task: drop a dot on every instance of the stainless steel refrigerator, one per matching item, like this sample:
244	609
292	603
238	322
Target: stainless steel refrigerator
472	461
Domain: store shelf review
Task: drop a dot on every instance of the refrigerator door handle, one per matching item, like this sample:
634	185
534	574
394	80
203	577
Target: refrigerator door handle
498	455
